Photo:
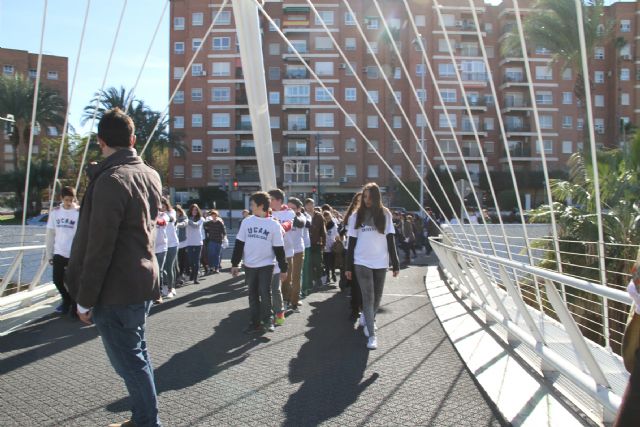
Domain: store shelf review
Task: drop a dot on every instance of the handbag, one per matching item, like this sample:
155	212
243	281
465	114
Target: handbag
225	242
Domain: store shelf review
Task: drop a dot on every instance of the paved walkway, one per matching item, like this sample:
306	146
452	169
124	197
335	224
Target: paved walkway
313	370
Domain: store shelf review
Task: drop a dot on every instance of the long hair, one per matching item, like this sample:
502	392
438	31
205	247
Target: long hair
355	204
198	215
179	211
377	209
167	204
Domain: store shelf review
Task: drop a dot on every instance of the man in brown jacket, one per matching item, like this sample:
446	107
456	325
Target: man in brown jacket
113	273
317	235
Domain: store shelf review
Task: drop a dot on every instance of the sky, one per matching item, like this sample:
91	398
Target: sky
20	24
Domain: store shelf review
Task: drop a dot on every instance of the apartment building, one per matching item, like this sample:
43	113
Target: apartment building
315	142
54	75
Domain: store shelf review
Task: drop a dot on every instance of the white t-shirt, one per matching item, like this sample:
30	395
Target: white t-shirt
64	222
161	234
305	232
371	248
332	233
296	236
195	232
172	233
282	217
260	235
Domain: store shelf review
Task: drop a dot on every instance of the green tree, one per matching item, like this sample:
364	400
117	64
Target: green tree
16	98
41	178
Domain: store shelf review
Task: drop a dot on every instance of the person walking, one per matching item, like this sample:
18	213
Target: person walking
295	238
327	256
285	217
194	241
318	238
352	282
260	243
61	228
161	247
112	272
216	232
371	248
172	249
183	263
306	282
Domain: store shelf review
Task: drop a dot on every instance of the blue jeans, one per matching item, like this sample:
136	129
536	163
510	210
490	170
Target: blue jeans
160	257
170	267
215	252
122	328
193	254
258	280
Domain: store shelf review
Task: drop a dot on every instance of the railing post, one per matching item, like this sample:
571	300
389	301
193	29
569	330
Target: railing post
17	261
39	273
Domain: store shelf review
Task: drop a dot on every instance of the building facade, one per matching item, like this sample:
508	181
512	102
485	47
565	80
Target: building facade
314	142
54	75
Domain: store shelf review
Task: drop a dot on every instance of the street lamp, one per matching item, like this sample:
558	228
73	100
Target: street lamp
318	174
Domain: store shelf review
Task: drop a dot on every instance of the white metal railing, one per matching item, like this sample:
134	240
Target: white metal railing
558	318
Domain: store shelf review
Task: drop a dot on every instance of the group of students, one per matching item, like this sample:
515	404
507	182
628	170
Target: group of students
277	239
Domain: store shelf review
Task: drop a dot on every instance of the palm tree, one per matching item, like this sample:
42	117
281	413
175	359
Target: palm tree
16	98
105	100
553	25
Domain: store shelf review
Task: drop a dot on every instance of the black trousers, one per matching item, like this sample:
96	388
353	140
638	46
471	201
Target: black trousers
329	265
59	267
258	281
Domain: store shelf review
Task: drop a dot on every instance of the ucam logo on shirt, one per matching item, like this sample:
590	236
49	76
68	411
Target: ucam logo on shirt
65	222
258	233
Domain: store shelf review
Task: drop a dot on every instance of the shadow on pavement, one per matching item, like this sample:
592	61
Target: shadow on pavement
330	365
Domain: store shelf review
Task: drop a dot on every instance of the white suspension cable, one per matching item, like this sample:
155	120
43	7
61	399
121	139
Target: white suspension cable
66	116
594	163
384	120
146	56
473	126
97	103
335	101
184	75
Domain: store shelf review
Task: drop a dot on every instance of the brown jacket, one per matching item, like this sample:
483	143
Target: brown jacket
112	257
318	231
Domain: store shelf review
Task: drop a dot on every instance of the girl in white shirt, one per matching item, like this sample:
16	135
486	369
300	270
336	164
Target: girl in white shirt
371	247
161	248
172	249
194	240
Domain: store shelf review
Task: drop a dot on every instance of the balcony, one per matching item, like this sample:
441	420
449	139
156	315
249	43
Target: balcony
513	78
297	127
243	177
292	152
519	150
474	76
290	178
246	151
470	150
467	127
297	100
297	74
518	127
243	126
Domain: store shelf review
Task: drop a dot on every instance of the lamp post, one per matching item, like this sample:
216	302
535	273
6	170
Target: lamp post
318	174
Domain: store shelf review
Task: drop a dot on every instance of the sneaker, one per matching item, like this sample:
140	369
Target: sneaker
361	321
372	343
172	293
62	309
366	331
295	309
195	282
280	319
270	327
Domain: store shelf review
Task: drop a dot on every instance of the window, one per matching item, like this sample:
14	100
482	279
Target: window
178	47
197	19
196	70
220	94
277	24
196	94
625	26
489	147
449	95
372	122
567	147
373	146
421	69
179	98
544	98
372	47
372	72
196	171
297	94
599	101
349	19
33	73
326	171
350	43
196	146
325	146
544	72
599	53
351	120
220	120
567	122
274	122
350	170
567	98
196	121
488	27
178	24
350	145
625	51
372	23
298	45
443	46
489	123
178	72
324	68
224	18
373	97
420	121
567	74
324	120
323	95
195	43
546	122
220	69
350	94
599	77
297	122
624	99
221	43
178	122
372	171
397	169
397	122
599	126
448	20
398	95
323	43
326	16
220	171
443	123
274	98
447	146
579	124
178	171
51	131
421	20
548	146
446	70
274	73
625	74
397	73
220	146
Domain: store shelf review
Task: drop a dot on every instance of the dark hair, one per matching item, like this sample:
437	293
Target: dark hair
295	201
355	204
377	210
198	215
167	203
277	194
68	192
309	200
115	128
179	210
260	198
326	207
